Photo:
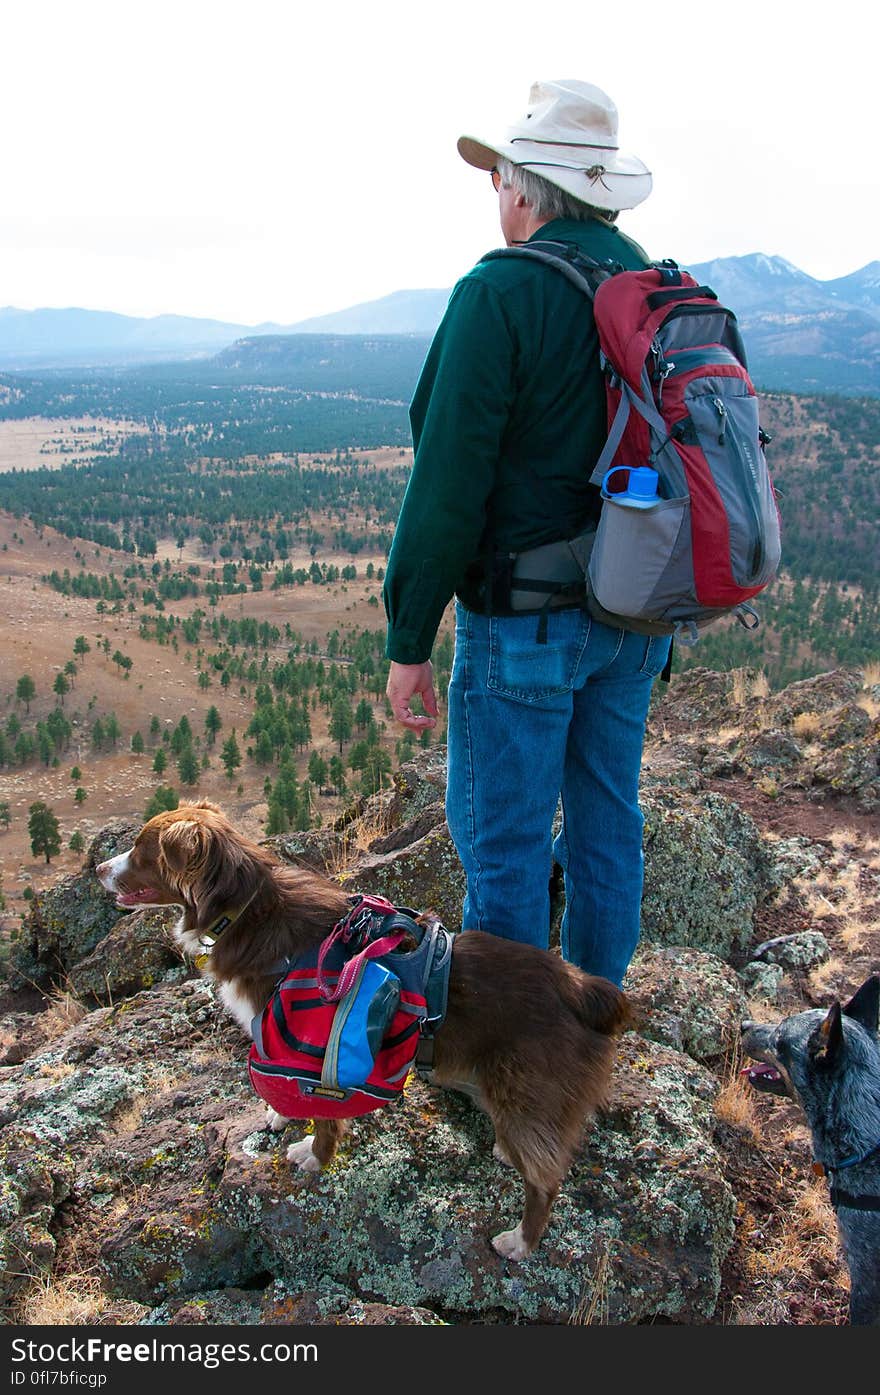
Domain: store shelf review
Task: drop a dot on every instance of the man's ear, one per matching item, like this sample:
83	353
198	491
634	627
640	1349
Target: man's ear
864	1006
830	1036
183	846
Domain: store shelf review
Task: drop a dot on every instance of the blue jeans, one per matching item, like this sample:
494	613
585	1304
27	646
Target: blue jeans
529	722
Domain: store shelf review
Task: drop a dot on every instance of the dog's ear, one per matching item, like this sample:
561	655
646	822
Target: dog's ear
864	1005
183	846
830	1036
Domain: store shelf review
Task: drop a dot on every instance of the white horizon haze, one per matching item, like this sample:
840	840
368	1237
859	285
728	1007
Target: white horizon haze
275	163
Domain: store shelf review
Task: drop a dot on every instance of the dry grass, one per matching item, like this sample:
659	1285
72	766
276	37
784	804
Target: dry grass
854	933
825	980
806	725
871	675
735	1105
68	1301
869	704
807	1236
592	1310
740	687
735	1101
356	838
724	735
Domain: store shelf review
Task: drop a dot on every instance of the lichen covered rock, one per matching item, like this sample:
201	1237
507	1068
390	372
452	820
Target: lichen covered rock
804	950
134	955
144	1123
706	870
686	999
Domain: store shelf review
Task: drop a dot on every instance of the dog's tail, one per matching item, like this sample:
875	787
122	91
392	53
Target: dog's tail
596	1002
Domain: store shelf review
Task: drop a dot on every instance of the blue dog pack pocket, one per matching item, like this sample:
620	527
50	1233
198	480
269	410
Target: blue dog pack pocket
360	1022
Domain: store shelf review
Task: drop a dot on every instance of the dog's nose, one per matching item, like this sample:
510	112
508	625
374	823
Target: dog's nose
746	1027
102	869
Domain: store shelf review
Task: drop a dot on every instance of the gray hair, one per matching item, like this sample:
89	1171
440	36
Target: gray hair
547	200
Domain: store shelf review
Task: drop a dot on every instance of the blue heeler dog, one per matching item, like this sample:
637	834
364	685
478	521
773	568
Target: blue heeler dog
830	1063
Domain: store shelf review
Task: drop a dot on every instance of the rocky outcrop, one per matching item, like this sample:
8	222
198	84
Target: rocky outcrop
138	952
66	922
141	1121
133	1136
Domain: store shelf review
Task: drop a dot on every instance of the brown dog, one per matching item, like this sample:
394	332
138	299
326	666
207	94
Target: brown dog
533	1032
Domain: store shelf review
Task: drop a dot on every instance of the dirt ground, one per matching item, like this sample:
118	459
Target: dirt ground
40	628
45	443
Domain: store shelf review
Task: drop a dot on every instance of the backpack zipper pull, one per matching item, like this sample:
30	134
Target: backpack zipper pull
662	368
722	414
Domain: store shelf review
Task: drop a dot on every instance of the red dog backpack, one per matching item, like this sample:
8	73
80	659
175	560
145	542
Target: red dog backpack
689	528
340	1033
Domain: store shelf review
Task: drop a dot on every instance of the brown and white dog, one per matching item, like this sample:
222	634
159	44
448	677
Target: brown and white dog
534	1033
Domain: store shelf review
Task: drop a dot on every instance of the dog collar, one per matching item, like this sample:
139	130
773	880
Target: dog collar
209	937
853	1201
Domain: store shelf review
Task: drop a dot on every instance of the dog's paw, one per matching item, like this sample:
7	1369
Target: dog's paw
302	1155
499	1155
275	1121
510	1244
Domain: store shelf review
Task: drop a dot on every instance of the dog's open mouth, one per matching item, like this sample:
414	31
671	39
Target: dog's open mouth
143	896
764	1077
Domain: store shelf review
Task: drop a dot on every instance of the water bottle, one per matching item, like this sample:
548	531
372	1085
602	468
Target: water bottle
637	487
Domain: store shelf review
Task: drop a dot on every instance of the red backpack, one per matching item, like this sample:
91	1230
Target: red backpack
689	529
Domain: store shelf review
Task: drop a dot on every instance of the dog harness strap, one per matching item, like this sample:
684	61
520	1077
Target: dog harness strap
353	967
853	1201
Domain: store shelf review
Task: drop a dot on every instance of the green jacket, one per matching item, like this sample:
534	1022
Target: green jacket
508	420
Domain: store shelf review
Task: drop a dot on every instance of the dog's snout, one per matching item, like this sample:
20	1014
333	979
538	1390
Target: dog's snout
745	1027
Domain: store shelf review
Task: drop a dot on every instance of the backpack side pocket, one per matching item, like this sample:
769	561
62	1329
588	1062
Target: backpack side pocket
640	562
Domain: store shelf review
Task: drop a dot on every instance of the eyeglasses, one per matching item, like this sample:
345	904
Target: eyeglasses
496	178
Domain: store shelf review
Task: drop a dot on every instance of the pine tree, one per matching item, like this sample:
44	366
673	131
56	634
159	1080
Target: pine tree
188	767
43	830
164	797
230	755
26	690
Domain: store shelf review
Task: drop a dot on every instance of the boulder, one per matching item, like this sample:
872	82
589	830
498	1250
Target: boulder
773	750
686	999
36	1175
804	950
762	980
135	954
823	693
66	922
707	868
697	698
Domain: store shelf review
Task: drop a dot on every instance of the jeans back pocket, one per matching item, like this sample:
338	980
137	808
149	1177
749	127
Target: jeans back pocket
521	668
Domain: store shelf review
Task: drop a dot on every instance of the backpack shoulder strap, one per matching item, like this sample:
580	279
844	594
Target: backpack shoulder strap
580	269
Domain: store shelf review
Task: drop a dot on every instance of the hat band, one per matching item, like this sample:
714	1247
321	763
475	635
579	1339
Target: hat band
574	144
592	172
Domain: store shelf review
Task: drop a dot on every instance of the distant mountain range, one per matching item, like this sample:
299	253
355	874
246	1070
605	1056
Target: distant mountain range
802	334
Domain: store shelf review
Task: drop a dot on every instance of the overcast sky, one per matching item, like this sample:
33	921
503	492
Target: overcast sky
274	159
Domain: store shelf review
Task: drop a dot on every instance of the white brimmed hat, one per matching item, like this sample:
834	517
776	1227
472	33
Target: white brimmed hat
569	137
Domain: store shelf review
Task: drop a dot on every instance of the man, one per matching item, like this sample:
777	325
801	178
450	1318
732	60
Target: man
508	422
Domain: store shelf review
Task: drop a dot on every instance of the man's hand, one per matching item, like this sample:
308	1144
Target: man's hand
405	681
